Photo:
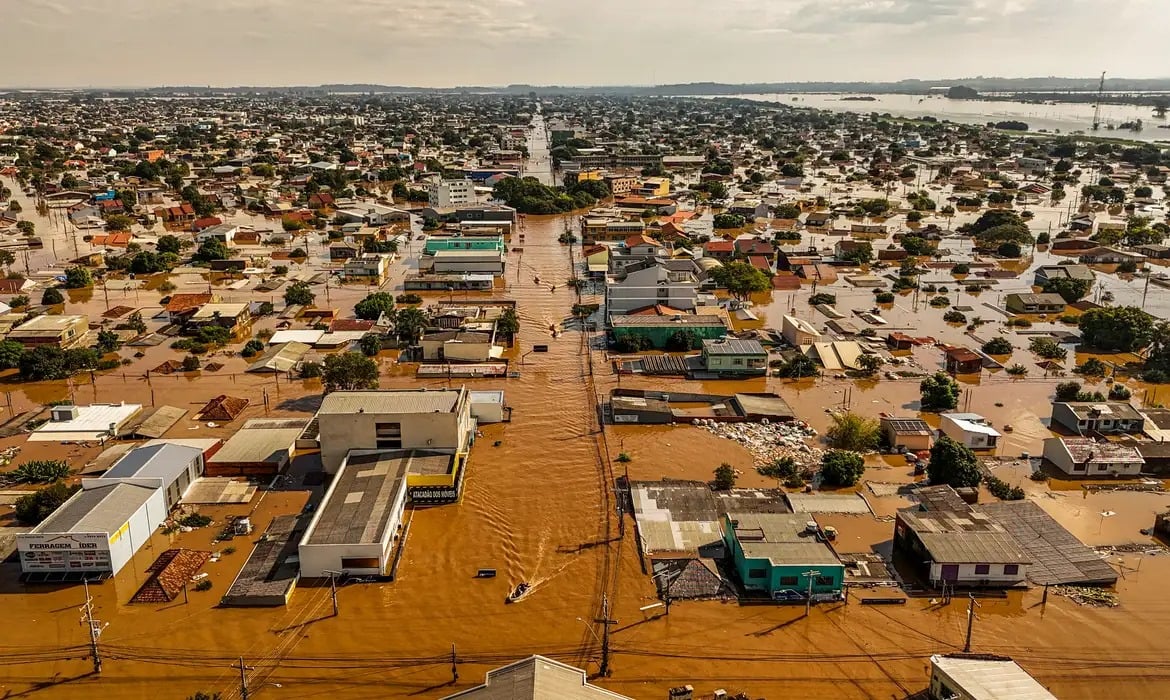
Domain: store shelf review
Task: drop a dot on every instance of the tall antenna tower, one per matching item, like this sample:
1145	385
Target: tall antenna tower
1097	107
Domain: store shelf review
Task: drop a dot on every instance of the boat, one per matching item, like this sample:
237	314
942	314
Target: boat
519	592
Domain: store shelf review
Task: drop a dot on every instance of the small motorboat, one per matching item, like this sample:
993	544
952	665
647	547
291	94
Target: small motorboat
519	592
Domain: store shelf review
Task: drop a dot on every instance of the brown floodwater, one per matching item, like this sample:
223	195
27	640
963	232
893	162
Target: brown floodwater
538	507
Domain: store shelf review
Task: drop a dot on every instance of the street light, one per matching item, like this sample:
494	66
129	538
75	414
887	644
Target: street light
590	628
808	601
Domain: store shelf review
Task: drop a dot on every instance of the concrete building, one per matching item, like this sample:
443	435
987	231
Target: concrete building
459	346
536	678
66	331
1044	303
799	332
234	317
672	283
660	329
484	262
261	449
170	467
368	268
970	430
372	215
360	516
434	244
778	554
735	357
946	541
1111	417
1085	457
411	419
1049	272
224	233
910	433
94	533
451	193
94	423
982	677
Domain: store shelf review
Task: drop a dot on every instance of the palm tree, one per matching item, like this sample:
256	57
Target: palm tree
410	324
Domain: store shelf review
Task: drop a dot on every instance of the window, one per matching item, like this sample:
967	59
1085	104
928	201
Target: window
738	362
1102	467
388	436
757	573
982	569
1078	467
788	580
824	581
1011	569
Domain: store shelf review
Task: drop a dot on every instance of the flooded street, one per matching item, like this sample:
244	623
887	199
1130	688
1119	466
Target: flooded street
538	507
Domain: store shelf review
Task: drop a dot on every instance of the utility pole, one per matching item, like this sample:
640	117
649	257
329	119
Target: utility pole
454	665
333	588
605	620
243	678
808	600
95	629
971	604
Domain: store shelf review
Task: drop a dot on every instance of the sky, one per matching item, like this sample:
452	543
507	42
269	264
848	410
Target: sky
444	43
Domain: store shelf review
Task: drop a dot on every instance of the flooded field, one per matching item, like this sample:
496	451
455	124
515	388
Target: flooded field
538	507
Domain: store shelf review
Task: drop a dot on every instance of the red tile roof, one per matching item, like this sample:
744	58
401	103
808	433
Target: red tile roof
186	302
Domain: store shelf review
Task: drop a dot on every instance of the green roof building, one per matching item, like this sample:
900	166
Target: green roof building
659	329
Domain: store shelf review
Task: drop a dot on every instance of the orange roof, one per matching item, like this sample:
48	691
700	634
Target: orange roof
640	239
186	302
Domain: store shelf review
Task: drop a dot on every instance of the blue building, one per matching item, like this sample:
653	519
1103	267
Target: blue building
783	555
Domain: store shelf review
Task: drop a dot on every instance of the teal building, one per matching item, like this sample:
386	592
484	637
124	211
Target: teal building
780	554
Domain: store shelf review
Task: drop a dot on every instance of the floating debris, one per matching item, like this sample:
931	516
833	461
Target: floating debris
769	441
1085	595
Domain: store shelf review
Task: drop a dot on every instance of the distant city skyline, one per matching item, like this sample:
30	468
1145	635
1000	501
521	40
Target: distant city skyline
448	43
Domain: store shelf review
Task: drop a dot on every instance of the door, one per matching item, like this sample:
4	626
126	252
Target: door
950	572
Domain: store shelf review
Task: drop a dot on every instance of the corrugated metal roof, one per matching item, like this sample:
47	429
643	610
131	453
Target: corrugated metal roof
99	508
391	401
165	461
988	679
780	538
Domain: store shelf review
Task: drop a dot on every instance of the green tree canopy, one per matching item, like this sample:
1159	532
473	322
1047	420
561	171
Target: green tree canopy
952	464
841	468
1120	329
741	279
1069	289
940	392
374	305
349	371
724	477
851	431
299	294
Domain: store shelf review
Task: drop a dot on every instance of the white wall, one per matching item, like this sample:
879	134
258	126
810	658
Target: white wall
442	432
967	573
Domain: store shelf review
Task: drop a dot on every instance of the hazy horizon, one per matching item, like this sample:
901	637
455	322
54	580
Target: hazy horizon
443	43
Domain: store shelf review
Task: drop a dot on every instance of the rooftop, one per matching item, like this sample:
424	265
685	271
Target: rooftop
98	507
1093	452
781	539
983	678
536	678
908	426
964	537
163	461
640	320
1116	410
43	324
260	441
733	346
392	401
360	501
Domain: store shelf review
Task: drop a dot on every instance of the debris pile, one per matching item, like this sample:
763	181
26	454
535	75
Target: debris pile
768	441
1086	595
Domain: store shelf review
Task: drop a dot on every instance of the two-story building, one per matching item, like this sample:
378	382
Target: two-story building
1110	417
781	555
67	331
673	283
368	268
1087	458
735	357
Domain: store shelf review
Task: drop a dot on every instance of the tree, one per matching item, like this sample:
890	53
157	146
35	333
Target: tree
299	294
36	507
119	222
682	341
841	468
27	228
374	306
788	210
1069	289
10	354
190	363
724	477
169	244
252	348
870	364
1121	329
52	296
107	342
7	259
952	464
729	221
998	345
212	249
798	367
859	254
349	371
854	432
940	392
410	324
78	278
370	344
917	246
43	363
1068	391
1047	348
508	323
741	279
780	468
